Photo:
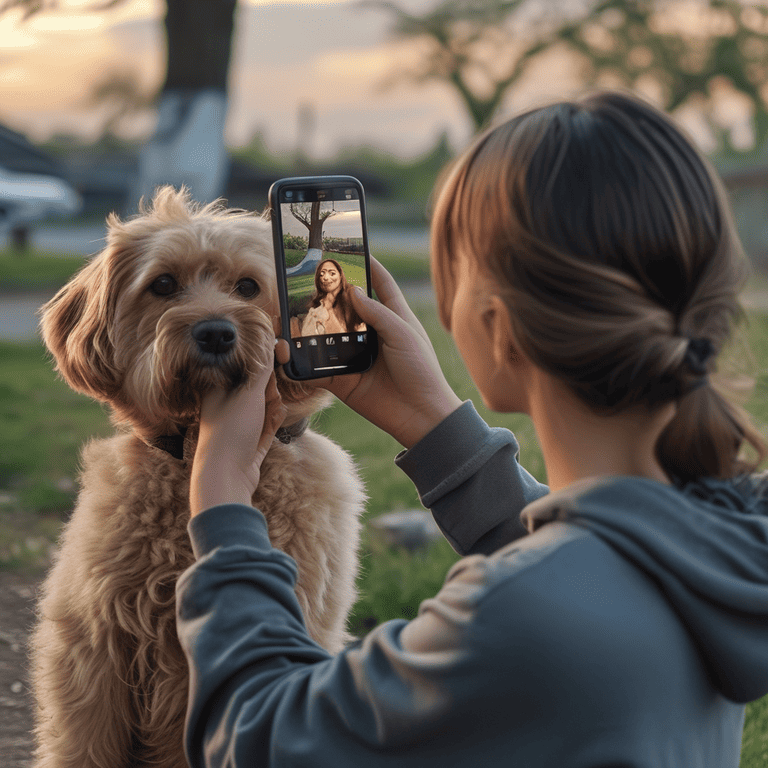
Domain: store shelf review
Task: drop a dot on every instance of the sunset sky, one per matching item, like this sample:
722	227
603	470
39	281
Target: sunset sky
344	223
330	54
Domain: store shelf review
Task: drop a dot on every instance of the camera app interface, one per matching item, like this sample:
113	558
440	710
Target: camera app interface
324	257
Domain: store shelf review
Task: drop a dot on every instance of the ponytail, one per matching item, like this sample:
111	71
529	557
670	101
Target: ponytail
705	438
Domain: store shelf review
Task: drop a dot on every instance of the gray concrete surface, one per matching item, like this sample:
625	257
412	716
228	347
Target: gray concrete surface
80	240
18	314
89	238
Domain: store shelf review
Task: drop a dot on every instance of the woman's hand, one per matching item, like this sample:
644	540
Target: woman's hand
405	392
236	431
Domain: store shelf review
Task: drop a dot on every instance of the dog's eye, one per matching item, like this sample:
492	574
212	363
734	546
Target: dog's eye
164	285
247	288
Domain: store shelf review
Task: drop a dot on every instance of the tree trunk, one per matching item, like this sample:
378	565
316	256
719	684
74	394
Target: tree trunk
316	227
199	35
188	145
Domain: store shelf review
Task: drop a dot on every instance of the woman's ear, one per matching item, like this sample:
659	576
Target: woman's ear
506	351
505	384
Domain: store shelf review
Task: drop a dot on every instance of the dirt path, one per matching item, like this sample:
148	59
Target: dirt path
17	597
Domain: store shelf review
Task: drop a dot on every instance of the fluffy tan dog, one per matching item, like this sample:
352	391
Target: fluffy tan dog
182	299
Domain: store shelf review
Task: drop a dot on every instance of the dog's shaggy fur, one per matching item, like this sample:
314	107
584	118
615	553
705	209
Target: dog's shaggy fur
109	675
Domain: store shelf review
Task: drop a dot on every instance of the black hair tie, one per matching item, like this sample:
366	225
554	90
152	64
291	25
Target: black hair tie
698	353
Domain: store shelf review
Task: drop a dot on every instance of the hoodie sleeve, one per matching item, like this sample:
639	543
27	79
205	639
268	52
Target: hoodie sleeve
263	693
468	475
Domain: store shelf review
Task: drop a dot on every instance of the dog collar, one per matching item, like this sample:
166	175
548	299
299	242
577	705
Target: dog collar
174	444
286	434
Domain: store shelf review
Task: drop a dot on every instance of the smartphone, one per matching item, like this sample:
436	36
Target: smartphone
321	251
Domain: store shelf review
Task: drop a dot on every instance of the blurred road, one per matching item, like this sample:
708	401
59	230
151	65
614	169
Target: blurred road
80	241
18	314
18	311
88	239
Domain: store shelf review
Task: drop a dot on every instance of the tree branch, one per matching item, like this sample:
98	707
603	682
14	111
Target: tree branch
31	7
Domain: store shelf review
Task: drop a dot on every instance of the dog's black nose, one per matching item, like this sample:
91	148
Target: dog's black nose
215	337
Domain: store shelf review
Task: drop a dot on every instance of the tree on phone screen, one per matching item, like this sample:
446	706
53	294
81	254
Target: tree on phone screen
313	217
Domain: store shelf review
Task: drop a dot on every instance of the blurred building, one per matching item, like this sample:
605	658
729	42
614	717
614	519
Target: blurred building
105	176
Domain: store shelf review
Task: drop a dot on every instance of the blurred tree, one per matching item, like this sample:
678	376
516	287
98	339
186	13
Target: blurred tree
307	125
188	146
471	45
681	49
120	91
199	35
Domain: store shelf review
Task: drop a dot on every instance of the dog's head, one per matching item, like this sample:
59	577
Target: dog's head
182	299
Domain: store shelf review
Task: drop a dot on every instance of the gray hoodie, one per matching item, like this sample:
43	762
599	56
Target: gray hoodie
618	623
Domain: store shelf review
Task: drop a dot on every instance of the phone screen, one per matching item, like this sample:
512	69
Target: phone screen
324	254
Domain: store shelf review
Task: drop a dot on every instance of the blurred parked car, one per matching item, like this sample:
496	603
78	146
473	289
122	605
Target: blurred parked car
32	187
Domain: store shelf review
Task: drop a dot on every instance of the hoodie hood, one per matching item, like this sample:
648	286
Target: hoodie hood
705	544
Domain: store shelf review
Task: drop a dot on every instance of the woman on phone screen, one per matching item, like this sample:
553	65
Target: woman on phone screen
331	309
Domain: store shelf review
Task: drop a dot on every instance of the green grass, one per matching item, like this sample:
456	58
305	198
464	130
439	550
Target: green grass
394	582
754	745
404	267
36	269
293	257
302	288
44	424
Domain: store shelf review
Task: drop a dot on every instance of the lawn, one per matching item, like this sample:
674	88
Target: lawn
43	424
34	269
302	288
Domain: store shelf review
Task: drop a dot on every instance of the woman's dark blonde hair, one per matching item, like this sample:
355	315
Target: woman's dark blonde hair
613	245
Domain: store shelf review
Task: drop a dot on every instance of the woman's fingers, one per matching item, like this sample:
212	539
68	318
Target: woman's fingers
275	412
236	431
392	329
282	351
391	296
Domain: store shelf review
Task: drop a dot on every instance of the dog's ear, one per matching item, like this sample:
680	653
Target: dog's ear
75	327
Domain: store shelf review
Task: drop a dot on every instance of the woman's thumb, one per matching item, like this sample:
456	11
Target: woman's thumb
386	322
361	300
369	310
